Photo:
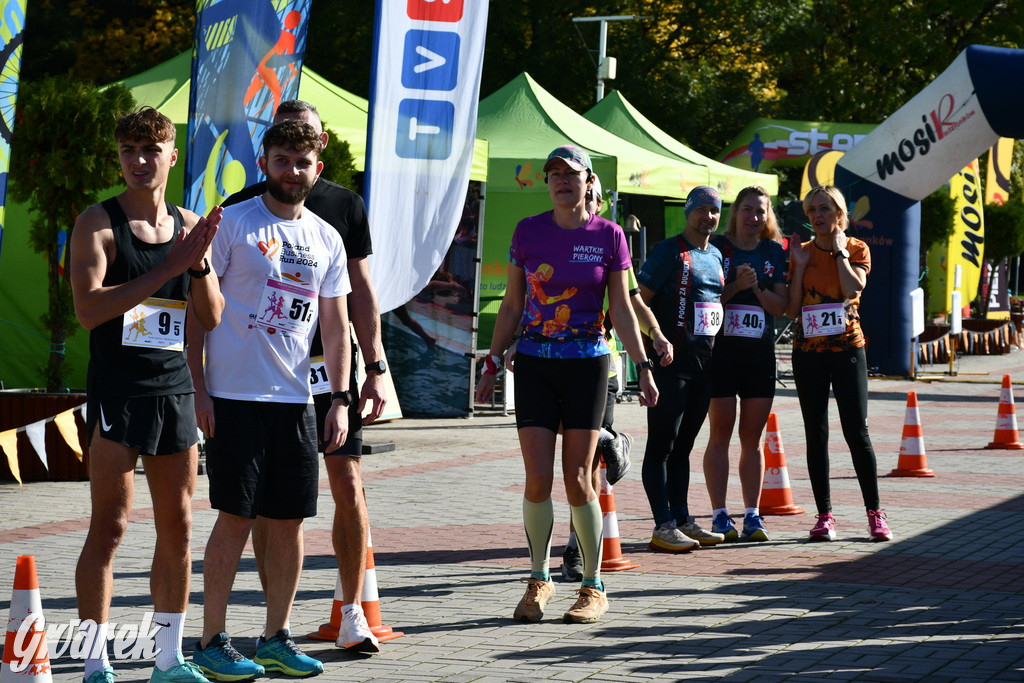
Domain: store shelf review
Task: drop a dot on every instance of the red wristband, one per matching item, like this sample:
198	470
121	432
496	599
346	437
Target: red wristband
492	364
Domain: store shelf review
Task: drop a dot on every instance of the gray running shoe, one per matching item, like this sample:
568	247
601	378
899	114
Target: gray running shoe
572	564
616	456
702	536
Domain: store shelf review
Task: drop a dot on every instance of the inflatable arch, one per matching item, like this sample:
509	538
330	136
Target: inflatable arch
915	151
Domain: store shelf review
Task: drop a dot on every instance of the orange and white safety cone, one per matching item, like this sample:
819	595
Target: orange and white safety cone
776	494
1006	435
611	544
913	462
26	657
370	602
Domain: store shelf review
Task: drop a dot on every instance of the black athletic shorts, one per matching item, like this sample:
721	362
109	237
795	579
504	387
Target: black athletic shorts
570	391
746	379
263	460
155	425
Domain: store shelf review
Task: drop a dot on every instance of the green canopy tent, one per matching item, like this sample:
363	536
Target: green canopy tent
523	123
23	271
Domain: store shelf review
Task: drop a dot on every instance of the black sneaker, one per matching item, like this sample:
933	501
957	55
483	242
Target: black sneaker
572	564
616	456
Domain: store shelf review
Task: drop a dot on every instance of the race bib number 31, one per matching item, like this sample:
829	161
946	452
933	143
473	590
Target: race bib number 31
156	324
318	382
822	320
707	318
744	321
288	307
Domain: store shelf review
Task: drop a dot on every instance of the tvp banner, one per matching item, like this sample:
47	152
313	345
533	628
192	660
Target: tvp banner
12	23
766	143
423	108
246	60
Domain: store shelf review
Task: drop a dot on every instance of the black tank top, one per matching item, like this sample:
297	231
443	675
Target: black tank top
117	370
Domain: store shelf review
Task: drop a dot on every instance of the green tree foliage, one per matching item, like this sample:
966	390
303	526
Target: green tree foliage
61	158
1004	238
937	211
339	164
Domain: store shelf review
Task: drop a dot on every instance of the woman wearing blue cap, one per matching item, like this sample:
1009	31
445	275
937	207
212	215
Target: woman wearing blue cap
561	264
682	282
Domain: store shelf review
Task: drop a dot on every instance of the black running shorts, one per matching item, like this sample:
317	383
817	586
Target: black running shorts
155	425
570	391
263	459
746	379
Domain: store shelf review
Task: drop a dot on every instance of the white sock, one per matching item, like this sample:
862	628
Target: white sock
94	646
718	511
573	542
604	436
171	626
348	609
752	511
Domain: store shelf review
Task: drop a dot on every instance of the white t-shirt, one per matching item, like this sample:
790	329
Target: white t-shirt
272	272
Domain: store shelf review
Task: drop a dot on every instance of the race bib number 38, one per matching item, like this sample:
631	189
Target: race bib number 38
707	318
744	321
156	324
287	307
822	320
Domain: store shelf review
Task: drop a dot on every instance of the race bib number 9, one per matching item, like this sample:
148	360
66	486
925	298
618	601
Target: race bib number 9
744	321
155	324
822	320
287	307
318	382
707	317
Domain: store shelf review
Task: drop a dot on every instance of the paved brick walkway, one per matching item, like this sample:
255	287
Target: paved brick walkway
944	601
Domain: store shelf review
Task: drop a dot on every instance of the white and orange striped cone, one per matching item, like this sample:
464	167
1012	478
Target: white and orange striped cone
913	462
1006	435
611	544
370	602
776	494
26	657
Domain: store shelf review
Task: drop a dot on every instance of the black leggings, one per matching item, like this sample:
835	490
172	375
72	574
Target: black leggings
672	427
847	373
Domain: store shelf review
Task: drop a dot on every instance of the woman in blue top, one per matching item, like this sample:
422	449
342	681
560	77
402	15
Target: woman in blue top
743	361
561	264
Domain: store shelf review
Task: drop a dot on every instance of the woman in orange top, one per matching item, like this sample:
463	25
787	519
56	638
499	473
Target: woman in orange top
827	276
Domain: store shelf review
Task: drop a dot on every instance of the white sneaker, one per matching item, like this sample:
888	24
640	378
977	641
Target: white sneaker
355	634
668	538
704	537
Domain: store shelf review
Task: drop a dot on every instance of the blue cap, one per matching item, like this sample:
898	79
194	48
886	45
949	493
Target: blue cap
699	196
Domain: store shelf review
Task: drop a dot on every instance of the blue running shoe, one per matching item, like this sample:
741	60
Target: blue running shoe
280	653
220	661
753	528
184	672
102	676
722	524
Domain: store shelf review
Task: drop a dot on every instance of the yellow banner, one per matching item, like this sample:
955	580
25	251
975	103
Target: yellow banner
9	444
997	182
965	248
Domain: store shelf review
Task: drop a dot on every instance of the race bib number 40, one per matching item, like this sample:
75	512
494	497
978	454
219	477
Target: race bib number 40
744	321
822	320
287	307
156	324
707	318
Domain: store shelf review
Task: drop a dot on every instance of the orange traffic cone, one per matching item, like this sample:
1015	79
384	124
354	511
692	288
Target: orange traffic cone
1006	421
913	462
776	495
370	602
25	655
611	545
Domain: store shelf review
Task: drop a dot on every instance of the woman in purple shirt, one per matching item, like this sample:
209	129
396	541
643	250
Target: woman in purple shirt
561	263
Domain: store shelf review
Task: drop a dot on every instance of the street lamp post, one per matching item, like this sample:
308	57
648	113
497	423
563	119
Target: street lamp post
605	64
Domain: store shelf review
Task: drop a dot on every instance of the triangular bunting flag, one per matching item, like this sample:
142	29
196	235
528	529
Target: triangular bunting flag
85	414
69	430
9	444
36	433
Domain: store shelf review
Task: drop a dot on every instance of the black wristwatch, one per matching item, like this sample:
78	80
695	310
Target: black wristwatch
646	365
377	368
344	396
200	273
842	253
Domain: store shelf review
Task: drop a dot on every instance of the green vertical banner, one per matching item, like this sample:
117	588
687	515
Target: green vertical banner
12	25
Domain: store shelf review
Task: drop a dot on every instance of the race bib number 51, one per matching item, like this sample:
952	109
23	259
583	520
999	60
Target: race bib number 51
288	307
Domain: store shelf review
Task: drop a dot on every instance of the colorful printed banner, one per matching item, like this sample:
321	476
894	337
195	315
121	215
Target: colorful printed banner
766	143
997	180
12	24
247	59
423	109
966	246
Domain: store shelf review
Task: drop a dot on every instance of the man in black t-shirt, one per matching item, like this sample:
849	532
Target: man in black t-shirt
346	211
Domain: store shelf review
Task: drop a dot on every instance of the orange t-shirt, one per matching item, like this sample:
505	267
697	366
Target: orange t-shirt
821	286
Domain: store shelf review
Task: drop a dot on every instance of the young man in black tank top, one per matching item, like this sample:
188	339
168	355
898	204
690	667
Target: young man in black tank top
136	263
